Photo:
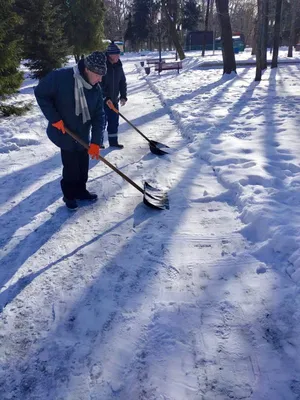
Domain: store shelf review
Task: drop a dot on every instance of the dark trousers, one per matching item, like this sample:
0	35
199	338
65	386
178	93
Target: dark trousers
74	173
112	122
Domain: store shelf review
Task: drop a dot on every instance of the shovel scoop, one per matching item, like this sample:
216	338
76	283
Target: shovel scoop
155	147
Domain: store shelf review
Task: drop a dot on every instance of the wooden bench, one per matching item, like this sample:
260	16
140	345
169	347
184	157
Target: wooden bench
154	61
168	66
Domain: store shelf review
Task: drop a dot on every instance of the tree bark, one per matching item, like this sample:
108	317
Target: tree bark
293	28
254	38
259	39
276	38
173	31
265	34
229	64
205	28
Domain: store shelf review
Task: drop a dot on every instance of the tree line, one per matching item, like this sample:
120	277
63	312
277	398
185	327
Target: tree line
43	33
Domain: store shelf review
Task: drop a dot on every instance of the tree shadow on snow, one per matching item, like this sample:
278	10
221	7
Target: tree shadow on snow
15	182
44	234
121	282
26	248
26	210
97	336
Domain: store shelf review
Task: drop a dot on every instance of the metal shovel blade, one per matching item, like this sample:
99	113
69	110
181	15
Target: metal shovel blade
155	147
158	148
155	198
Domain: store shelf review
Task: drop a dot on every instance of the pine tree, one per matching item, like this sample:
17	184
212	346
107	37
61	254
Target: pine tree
129	33
142	24
191	15
10	52
45	44
85	21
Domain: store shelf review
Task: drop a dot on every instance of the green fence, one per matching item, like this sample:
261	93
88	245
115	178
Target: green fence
238	46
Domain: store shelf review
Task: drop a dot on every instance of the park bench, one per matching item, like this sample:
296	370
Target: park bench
154	61
168	66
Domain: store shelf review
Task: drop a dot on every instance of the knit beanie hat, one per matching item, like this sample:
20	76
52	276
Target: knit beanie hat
112	49
96	62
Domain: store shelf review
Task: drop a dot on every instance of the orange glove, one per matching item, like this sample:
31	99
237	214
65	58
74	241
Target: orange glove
60	126
94	151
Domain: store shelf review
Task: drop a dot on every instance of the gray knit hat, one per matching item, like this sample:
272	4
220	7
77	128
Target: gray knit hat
96	62
112	49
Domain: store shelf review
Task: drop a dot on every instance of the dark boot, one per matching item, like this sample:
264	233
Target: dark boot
116	145
86	195
71	204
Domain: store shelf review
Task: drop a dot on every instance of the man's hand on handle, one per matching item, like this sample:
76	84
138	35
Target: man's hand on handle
110	105
94	151
60	126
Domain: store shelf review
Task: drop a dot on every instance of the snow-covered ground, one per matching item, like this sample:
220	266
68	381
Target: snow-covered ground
120	301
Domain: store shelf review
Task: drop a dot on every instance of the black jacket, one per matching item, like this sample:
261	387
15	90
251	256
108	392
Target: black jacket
114	82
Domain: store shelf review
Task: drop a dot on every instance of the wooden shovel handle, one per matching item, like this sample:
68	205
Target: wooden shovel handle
110	104
86	146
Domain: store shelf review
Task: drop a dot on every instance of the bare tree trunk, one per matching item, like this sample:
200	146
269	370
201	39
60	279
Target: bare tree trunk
293	27
229	64
259	39
205	28
265	34
276	38
212	7
254	38
173	31
176	40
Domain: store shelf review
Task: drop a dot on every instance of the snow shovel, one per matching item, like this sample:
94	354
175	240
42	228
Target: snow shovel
155	147
153	197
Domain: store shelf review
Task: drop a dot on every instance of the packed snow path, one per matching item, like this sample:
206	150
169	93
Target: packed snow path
119	301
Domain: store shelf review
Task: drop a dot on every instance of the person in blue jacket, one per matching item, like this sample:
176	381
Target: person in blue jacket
72	98
114	88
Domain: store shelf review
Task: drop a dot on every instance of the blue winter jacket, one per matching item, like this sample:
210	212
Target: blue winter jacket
55	96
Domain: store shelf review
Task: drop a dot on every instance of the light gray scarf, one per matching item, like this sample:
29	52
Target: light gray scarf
81	106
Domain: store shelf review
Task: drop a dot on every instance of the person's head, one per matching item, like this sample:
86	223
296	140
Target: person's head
113	53
95	67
